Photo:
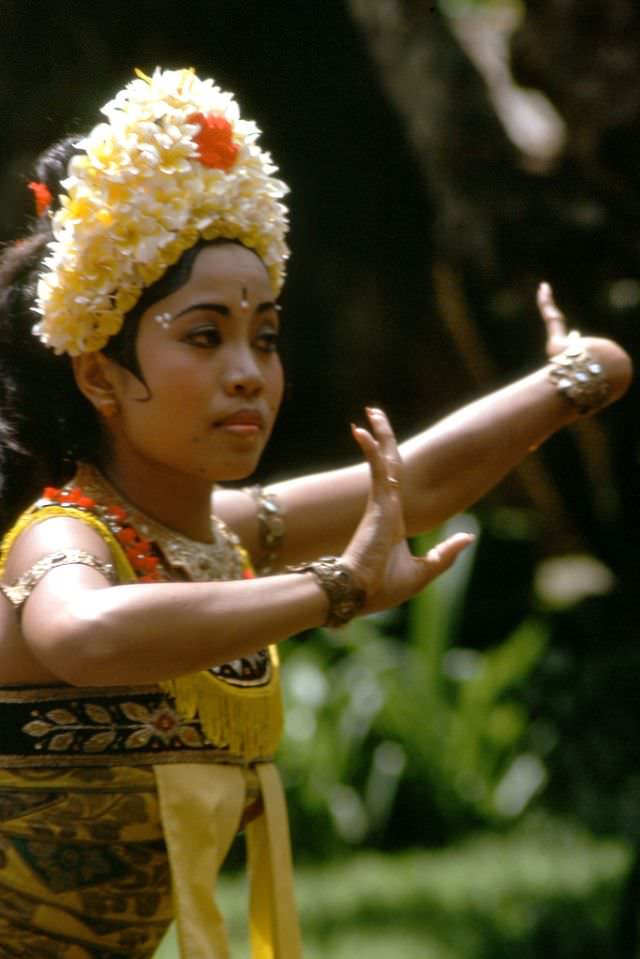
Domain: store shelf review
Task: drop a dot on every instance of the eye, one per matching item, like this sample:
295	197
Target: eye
268	340
205	337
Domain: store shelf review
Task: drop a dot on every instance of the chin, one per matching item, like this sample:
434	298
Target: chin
230	472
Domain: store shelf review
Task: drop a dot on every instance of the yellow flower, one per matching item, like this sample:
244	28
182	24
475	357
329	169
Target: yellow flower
105	217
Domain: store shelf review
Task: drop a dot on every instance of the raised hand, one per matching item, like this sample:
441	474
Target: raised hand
378	554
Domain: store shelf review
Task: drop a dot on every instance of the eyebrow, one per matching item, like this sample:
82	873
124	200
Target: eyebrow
223	310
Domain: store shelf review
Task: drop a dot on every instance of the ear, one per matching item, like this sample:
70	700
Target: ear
96	378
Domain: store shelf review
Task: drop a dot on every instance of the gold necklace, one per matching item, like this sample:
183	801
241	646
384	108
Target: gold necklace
222	559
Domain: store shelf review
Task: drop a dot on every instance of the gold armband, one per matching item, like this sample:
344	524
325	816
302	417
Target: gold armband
19	592
270	526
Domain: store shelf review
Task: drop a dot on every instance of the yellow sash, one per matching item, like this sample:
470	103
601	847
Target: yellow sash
201	807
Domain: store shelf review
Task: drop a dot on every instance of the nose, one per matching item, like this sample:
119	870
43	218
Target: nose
243	376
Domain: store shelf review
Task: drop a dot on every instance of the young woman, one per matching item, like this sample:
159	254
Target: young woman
138	722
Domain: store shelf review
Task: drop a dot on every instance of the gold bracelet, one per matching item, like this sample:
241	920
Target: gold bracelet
346	599
578	376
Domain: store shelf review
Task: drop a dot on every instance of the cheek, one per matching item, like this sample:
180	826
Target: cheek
274	382
174	379
174	398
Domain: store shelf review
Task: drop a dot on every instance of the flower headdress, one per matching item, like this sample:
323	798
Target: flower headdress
173	164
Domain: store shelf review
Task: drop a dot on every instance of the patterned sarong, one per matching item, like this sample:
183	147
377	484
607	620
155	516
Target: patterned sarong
116	815
84	872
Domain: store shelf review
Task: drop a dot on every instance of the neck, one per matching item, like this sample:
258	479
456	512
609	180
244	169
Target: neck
173	499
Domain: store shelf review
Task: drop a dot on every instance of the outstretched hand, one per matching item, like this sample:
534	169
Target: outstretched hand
616	362
378	553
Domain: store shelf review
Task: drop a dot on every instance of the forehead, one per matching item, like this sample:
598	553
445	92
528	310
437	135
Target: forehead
228	267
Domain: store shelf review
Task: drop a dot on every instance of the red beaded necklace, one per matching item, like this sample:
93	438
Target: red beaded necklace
138	550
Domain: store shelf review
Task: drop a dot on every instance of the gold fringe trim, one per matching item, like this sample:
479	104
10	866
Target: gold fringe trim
245	719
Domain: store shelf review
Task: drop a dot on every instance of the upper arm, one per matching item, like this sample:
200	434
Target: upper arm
46	622
56	533
320	513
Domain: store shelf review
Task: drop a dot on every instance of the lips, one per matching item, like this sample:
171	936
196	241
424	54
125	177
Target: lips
242	419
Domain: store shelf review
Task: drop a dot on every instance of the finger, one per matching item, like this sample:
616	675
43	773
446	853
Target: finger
386	438
370	449
553	317
442	556
369	546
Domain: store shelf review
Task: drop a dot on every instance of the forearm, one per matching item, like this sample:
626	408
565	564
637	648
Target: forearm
144	634
456	462
448	467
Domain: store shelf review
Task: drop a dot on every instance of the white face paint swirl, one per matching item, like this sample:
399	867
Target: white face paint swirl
163	320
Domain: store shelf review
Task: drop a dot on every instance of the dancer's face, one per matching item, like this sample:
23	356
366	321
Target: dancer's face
213	377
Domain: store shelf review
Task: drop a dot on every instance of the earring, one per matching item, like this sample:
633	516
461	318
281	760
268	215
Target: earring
108	407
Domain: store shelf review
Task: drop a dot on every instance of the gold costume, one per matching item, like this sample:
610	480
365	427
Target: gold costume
118	805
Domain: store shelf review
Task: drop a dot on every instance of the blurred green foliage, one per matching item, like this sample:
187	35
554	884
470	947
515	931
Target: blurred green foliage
544	888
494	691
395	734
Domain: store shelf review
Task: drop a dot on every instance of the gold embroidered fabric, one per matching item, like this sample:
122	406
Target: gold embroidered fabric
56	726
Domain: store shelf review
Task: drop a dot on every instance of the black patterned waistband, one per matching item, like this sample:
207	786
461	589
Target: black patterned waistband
88	726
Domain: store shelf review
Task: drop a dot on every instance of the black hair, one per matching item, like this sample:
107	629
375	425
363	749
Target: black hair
46	424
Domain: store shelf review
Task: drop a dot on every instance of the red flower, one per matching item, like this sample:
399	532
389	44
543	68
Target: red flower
42	196
215	144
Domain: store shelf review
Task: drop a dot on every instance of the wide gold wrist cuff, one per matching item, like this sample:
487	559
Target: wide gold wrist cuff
578	376
346	599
